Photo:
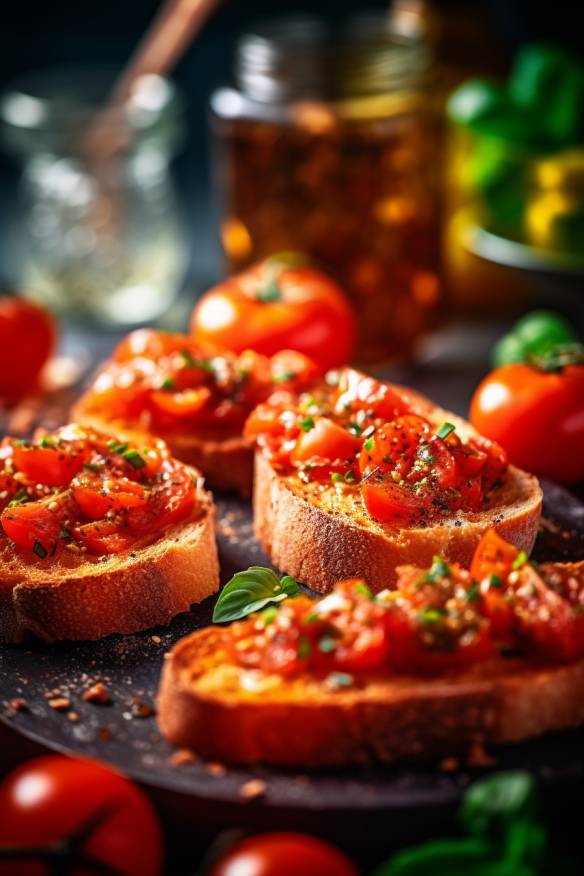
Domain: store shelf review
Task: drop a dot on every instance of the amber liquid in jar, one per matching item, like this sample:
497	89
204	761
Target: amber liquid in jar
336	152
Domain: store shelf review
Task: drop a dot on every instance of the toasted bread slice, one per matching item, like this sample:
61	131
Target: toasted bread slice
320	535
81	598
226	462
223	712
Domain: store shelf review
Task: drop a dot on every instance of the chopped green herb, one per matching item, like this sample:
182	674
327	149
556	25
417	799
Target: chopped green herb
438	569
168	383
369	444
270	292
192	362
92	466
20	442
307	424
363	590
283	376
350	477
520	560
495	581
356	429
117	448
312	618
473	592
304	647
429	615
445	430
135	459
269	615
339	679
65	533
18	499
46	442
39	550
326	645
336	477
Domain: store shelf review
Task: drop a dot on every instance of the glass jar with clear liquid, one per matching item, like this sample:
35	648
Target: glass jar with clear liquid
100	239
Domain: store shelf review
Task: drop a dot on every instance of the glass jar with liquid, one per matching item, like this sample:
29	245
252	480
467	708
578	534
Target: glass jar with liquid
330	143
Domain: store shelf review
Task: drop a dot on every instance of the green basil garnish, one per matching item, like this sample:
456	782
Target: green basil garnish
445	430
251	591
134	458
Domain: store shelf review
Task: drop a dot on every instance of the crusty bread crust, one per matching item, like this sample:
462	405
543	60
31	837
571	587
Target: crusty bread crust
131	591
227	463
323	537
232	715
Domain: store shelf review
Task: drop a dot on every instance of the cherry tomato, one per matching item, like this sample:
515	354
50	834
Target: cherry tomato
52	799
284	854
326	440
27	340
274	306
536	416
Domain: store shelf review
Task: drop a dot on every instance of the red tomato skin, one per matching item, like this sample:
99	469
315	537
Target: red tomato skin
312	316
51	466
284	854
48	798
537	417
326	440
27	340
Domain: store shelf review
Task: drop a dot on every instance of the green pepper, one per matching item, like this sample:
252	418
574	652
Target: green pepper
537	335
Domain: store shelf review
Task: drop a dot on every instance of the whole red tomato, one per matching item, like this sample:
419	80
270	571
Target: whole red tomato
277	305
27	340
537	416
105	817
284	854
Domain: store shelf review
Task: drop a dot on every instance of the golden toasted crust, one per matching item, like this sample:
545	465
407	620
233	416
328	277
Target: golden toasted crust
131	591
227	463
320	537
231	715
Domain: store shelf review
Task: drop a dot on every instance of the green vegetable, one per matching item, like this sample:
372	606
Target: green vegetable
355	428
336	477
39	550
19	499
134	459
520	560
307	424
494	803
438	569
117	448
283	376
192	362
304	647
445	430
251	591
369	443
92	466
350	477
168	383
537	337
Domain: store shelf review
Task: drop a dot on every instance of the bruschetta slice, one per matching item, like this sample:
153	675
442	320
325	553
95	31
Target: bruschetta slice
99	536
355	477
163	384
449	659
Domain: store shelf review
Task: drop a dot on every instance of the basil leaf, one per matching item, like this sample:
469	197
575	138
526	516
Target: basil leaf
498	800
251	591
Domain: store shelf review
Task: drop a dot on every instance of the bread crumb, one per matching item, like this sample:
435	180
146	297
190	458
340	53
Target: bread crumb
139	709
156	639
478	757
60	704
18	704
97	693
216	769
181	757
73	716
449	764
253	789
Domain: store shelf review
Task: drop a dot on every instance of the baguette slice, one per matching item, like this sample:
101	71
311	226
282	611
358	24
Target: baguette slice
232	715
227	463
320	537
134	590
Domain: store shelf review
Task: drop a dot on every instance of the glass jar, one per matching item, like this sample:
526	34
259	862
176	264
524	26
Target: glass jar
331	145
100	234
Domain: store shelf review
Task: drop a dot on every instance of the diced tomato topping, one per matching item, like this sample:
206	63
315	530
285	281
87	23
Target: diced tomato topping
104	537
97	497
181	404
36	526
325	440
389	502
53	466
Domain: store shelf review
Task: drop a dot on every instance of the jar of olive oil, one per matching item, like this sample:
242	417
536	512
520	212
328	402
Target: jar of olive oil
329	143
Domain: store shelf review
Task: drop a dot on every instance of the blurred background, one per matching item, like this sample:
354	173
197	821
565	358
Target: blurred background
426	154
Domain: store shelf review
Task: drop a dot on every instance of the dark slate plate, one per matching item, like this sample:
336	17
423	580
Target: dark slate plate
125	732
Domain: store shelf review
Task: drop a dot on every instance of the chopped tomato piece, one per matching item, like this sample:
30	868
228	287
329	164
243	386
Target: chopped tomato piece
181	404
493	556
325	440
53	466
104	537
97	496
148	343
391	503
36	526
170	501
